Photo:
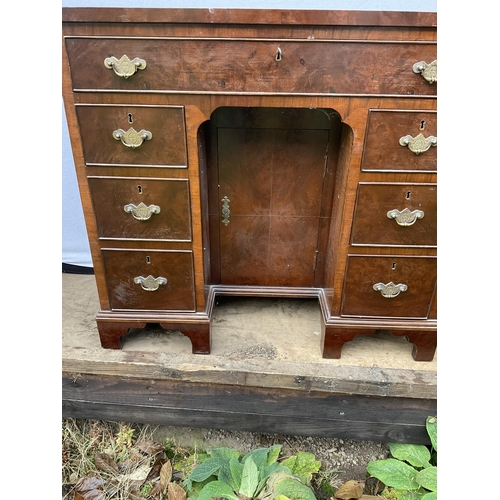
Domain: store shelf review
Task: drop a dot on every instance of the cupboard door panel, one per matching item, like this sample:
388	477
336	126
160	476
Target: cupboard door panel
292	255
245	170
244	244
298	166
273	180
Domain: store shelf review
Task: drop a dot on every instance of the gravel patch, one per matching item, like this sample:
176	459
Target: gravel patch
342	459
265	351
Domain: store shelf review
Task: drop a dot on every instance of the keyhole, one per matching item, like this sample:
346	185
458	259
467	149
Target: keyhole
408	195
393	266
278	54
130	119
139	188
148	259
422	125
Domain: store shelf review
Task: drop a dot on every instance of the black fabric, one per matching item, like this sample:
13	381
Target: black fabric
73	269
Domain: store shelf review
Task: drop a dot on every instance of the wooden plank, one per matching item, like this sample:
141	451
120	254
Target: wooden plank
305	376
234	399
282	411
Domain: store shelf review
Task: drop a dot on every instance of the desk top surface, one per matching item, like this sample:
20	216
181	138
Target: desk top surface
249	16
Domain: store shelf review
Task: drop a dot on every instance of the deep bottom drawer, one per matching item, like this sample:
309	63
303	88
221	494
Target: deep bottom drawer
368	290
150	279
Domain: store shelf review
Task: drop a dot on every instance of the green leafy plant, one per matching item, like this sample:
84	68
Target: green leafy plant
256	475
125	436
412	472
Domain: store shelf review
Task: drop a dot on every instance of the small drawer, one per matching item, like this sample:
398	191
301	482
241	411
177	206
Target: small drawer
414	280
385	143
133	135
249	65
395	215
174	64
138	208
150	279
361	67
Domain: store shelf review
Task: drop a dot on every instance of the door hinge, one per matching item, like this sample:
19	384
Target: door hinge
315	263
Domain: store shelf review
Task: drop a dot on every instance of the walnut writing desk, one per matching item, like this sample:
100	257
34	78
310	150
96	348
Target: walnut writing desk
259	153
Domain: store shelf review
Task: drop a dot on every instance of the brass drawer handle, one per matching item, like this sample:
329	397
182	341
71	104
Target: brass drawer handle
390	290
418	144
150	284
405	217
428	71
131	138
124	67
141	211
226	213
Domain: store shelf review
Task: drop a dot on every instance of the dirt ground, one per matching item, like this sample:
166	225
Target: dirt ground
348	457
341	459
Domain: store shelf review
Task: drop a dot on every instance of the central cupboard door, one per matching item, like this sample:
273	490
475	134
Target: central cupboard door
273	181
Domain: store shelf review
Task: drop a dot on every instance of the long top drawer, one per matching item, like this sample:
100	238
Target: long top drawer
214	65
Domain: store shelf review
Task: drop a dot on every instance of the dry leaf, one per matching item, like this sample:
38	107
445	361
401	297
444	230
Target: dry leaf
90	495
89	483
135	455
165	477
156	490
89	489
137	474
155	470
176	492
370	497
352	490
166	474
151	447
105	463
